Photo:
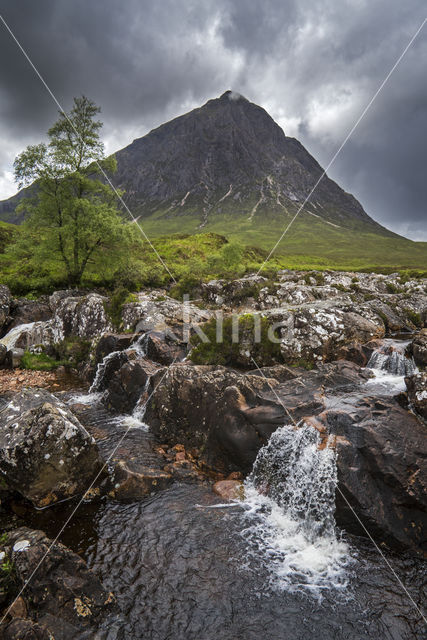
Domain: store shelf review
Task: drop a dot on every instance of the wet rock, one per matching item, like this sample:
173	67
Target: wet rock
106	370
3	352
110	342
135	481
355	352
20	629
382	468
46	455
279	372
127	384
63	599
160	347
228	416
417	392
14	357
229	489
419	348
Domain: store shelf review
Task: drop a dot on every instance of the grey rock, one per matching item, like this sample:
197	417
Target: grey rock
417	392
46	455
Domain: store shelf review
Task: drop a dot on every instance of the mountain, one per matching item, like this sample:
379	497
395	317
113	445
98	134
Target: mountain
228	167
229	157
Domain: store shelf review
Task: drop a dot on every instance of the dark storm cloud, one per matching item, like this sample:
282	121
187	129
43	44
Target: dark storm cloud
314	64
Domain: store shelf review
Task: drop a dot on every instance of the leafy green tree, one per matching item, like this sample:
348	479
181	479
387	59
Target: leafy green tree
73	215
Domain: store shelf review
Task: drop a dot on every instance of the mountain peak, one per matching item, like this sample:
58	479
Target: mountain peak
233	96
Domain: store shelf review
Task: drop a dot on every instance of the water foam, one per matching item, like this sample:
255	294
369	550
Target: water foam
390	366
289	506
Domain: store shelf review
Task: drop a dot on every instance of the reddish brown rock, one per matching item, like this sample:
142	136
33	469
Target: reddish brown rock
229	489
134	481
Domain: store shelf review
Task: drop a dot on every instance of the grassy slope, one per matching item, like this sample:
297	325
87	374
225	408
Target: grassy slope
309	241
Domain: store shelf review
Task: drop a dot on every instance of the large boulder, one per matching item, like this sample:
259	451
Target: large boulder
46	455
310	335
78	315
382	468
61	600
417	392
228	416
155	311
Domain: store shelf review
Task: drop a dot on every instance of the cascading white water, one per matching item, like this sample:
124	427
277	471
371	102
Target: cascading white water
290	505
100	372
97	388
136	419
390	365
139	347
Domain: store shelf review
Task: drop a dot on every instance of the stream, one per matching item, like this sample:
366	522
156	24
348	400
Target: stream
184	565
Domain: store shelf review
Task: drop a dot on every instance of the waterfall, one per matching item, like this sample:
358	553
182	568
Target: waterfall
290	505
98	383
391	358
390	365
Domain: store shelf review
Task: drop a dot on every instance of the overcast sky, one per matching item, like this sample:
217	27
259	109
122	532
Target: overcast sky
313	64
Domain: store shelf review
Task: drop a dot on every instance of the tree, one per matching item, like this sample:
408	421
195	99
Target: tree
73	214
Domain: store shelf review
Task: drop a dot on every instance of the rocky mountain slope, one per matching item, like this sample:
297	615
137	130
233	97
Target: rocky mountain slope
226	158
229	156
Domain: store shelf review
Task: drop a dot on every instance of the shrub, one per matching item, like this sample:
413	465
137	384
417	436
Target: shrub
72	350
391	288
229	353
38	362
414	317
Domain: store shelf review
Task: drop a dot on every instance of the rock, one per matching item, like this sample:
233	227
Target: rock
24	311
14	357
46	455
63	599
5	302
229	489
419	348
134	481
279	372
160	347
382	468
18	609
310	335
3	352
20	629
417	392
78	315
127	384
155	311
110	342
354	352
229	416
107	368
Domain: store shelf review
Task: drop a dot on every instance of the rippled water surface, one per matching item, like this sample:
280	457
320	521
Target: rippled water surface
181	569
